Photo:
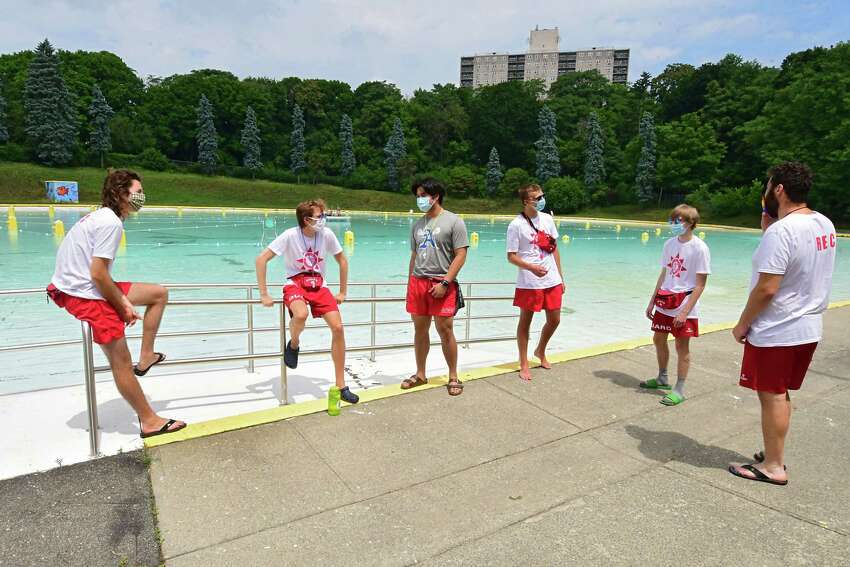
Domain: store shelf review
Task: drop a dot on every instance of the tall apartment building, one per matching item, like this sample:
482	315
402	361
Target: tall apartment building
543	61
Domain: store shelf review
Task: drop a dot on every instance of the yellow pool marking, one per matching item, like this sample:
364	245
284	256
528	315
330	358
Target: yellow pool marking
271	415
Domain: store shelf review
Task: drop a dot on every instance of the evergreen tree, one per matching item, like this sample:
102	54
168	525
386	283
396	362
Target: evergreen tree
394	152
548	162
100	139
594	155
346	139
4	133
251	141
297	159
51	121
645	175
494	172
206	136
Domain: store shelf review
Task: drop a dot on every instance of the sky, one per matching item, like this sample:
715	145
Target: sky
412	44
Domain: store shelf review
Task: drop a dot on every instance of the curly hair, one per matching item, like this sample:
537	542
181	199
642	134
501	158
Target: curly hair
795	177
116	187
305	209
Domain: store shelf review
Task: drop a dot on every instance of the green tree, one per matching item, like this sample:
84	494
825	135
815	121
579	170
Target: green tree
494	172
206	135
565	194
645	175
514	179
594	155
394	152
251	141
505	116
4	132
51	116
688	154
101	113
346	140
297	158
548	162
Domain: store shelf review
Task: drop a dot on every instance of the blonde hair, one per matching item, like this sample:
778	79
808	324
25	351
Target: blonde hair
687	213
305	209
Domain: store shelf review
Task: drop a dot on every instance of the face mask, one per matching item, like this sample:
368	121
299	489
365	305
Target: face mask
424	204
770	204
137	200
319	224
677	228
540	205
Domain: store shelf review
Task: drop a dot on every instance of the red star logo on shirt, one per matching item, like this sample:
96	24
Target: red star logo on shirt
677	266
311	260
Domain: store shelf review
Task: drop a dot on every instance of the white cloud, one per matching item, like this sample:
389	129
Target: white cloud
413	44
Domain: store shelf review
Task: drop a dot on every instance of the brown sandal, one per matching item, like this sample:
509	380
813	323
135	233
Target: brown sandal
457	385
413	382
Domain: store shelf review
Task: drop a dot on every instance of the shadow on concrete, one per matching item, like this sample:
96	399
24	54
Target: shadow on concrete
664	446
626	381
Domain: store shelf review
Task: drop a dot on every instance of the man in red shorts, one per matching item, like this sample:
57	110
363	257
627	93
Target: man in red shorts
438	243
782	322
83	285
304	249
673	305
532	246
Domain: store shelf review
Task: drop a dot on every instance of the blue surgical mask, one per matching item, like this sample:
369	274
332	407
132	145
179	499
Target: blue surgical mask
540	205
424	204
678	228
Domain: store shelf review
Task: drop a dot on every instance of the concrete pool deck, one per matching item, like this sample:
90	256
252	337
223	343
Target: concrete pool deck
577	467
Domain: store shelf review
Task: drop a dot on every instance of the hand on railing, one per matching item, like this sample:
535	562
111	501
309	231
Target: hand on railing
128	313
267	300
340	298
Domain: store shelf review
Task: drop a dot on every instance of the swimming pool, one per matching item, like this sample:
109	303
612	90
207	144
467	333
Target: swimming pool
609	274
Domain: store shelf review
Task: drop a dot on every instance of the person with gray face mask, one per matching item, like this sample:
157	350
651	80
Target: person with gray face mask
82	284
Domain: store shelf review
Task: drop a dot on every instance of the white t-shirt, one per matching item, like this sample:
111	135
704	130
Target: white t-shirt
682	262
96	235
305	254
520	239
802	248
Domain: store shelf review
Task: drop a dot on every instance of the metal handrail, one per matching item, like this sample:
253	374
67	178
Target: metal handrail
249	302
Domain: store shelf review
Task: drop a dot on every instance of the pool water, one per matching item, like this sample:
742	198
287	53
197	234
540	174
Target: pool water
609	275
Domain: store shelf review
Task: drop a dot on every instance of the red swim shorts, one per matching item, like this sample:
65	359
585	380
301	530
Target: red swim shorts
321	301
548	299
662	323
106	324
775	369
421	302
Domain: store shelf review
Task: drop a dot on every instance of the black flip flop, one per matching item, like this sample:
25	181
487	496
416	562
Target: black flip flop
758	475
162	430
290	355
159	358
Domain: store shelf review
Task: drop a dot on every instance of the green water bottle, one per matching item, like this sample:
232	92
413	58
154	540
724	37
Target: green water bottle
333	401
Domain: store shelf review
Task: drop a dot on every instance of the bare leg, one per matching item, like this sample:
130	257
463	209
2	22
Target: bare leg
122	371
421	342
662	352
523	328
445	327
553	319
297	322
683	357
334	321
154	297
775	422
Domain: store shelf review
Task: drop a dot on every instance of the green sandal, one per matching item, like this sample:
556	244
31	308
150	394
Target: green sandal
654	384
672	399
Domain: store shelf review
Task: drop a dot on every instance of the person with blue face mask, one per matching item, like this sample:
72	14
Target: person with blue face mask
673	305
438	244
532	239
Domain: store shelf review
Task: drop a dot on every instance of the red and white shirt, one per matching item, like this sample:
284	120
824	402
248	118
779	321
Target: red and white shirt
801	247
305	254
682	262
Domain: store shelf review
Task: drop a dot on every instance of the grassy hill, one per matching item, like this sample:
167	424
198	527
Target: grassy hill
24	183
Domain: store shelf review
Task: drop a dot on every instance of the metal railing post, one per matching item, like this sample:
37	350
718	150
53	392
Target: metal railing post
91	391
250	331
468	314
283	389
374	320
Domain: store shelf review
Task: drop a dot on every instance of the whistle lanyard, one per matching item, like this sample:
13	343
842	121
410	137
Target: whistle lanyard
315	248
